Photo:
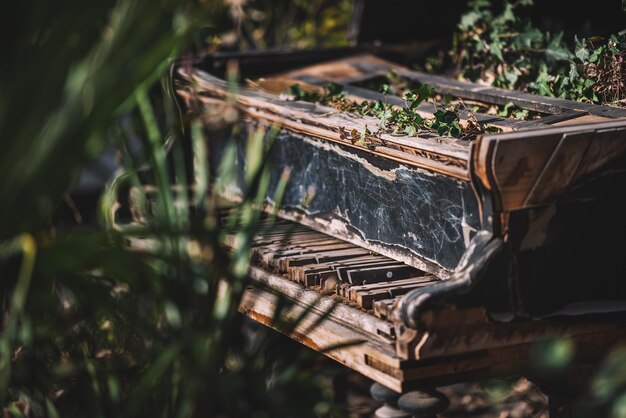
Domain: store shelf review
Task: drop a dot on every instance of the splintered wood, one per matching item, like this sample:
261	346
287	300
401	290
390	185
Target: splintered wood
354	275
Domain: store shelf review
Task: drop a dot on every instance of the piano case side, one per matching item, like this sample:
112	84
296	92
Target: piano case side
555	197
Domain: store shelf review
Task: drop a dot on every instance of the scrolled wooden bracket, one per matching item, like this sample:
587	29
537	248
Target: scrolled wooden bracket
482	249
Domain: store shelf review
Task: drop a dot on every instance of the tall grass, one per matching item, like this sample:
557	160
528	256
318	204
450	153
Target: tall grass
126	319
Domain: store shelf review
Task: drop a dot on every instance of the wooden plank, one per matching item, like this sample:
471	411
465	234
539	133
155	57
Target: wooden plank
530	168
561	168
260	306
324	122
499	96
343	70
362	66
569	116
586	118
517	166
427	110
608	144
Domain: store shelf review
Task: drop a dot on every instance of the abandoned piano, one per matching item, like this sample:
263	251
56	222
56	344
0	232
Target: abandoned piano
447	259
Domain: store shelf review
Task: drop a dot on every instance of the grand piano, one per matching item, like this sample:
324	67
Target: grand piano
422	260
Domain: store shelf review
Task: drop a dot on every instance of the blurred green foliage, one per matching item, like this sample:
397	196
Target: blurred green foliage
260	24
553	355
138	320
502	49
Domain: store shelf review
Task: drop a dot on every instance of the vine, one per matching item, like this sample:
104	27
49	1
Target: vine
396	120
506	51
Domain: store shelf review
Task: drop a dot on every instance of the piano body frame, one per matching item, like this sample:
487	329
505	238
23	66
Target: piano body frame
531	183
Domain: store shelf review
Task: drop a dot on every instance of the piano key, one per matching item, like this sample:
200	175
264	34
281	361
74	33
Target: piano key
366	296
382	308
322	257
339	264
377	274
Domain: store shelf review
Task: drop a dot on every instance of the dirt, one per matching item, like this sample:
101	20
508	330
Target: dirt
512	398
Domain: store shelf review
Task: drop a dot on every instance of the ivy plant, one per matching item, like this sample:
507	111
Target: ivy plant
396	120
504	50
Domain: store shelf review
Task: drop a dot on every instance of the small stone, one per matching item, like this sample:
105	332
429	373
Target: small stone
423	404
383	394
387	411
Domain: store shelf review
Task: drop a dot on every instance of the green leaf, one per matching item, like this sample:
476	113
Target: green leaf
468	20
595	55
529	36
495	48
581	51
556	51
505	112
511	76
573	71
335	89
588	83
425	92
507	14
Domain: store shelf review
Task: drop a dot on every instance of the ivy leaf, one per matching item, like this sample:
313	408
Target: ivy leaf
479	4
573	71
528	36
511	76
455	129
383	117
595	55
334	89
425	92
581	51
505	112
555	50
468	20
521	114
507	14
297	91
495	48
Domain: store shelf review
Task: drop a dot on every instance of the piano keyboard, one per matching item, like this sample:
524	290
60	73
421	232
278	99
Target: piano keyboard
350	274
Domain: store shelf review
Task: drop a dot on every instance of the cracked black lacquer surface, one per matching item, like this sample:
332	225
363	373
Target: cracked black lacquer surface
410	210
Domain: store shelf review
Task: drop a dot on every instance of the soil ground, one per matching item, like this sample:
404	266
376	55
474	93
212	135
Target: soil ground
513	398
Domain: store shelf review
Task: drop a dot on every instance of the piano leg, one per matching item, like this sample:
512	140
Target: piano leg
417	403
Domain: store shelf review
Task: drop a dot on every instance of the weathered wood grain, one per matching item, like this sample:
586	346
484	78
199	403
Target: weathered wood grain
524	169
324	122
